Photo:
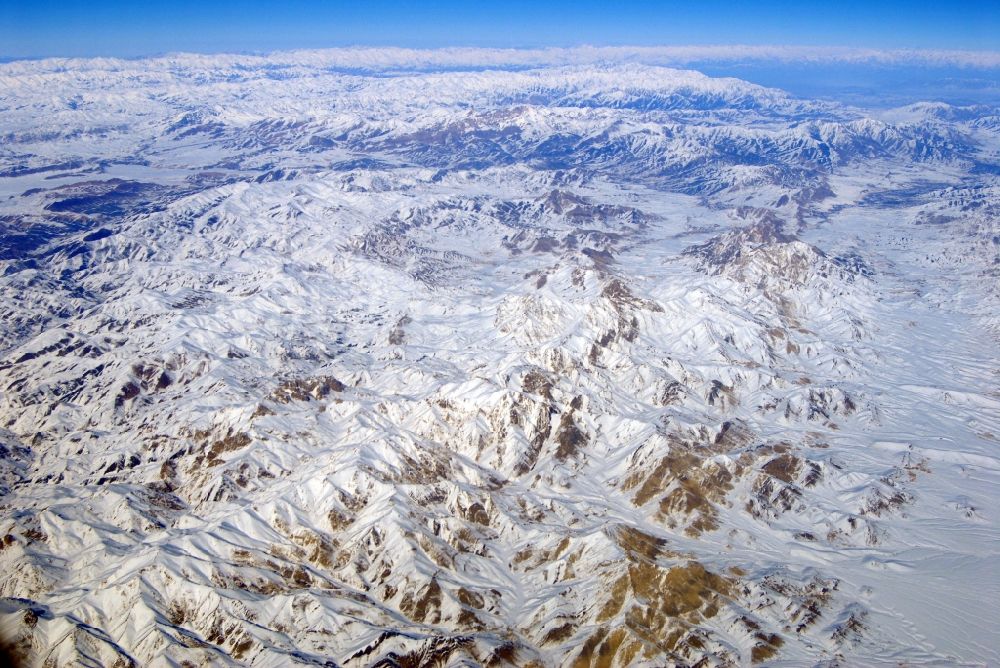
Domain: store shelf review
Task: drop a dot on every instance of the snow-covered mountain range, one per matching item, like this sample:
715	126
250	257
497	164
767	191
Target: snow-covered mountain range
583	365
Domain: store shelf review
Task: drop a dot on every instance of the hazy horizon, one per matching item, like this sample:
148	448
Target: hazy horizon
878	78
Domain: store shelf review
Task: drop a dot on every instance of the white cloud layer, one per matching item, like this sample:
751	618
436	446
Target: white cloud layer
392	58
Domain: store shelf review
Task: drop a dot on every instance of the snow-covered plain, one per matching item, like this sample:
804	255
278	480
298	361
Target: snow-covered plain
590	365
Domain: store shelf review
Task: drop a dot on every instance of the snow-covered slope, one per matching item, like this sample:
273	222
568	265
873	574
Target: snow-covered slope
612	365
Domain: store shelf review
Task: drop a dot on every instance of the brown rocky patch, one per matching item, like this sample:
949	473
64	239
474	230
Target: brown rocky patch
784	467
425	606
306	389
570	438
535	382
212	456
662	609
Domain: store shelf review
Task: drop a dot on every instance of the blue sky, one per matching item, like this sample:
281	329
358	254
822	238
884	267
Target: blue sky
33	28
